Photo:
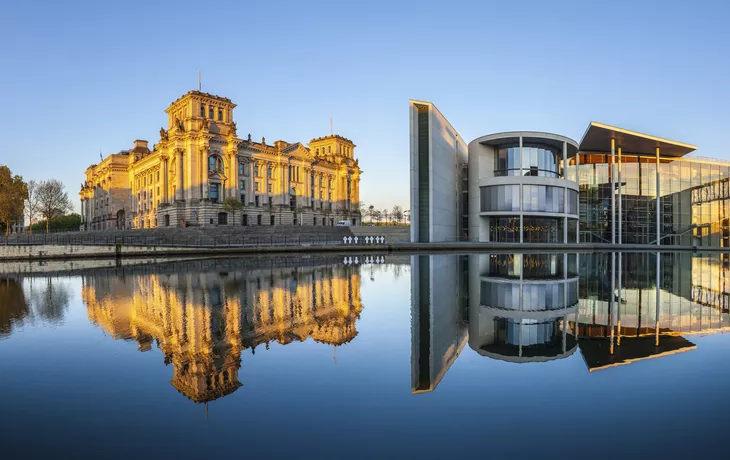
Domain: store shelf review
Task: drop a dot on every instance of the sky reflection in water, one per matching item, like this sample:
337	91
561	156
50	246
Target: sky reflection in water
422	356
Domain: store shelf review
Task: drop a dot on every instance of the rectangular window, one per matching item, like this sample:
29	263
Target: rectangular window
269	189
257	201
220	115
242	184
240	169
214	193
256	170
158	176
257	186
243	198
271	202
270	172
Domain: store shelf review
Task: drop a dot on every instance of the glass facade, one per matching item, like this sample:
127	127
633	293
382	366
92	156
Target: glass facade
536	229
532	266
694	200
542	229
500	198
504	229
544	198
507	160
537	160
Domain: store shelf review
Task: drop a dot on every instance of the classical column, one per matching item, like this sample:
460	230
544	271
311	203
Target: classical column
613	192
249	182
166	194
179	175
658	202
232	176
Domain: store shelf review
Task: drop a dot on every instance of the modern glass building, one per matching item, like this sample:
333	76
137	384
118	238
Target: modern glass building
614	186
518	191
625	198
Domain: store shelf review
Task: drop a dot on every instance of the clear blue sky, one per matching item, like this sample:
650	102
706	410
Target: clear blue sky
85	76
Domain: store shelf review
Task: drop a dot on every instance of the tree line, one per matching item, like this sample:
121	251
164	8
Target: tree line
395	216
47	199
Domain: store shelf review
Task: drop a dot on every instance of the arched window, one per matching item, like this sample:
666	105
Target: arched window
316	151
220	114
329	149
215	163
202	110
210	112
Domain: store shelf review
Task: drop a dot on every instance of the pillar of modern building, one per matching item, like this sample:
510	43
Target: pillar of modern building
612	301
565	192
618	310
620	186
658	298
577	181
613	192
658	201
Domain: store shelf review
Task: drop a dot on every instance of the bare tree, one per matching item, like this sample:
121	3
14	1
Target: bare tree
386	214
397	214
53	200
377	215
371	212
31	203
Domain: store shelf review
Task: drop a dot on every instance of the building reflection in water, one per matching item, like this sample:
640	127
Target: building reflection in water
202	315
541	307
439	296
520	305
43	299
640	321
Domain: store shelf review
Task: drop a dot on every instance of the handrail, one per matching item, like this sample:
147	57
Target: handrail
528	171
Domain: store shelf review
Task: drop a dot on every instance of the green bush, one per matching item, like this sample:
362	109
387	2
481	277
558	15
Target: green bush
65	223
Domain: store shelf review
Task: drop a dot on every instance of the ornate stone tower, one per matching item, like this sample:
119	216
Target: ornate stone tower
340	152
201	145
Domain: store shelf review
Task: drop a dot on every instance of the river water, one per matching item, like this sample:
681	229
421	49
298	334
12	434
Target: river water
427	356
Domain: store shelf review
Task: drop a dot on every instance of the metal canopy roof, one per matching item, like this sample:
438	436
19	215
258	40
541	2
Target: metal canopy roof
597	138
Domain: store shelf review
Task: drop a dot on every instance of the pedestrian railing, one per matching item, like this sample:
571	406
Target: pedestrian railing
195	240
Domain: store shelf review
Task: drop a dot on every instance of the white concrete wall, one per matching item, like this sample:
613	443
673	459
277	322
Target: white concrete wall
445	328
447	151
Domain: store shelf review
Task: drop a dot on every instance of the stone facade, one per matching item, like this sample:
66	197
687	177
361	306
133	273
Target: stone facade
200	161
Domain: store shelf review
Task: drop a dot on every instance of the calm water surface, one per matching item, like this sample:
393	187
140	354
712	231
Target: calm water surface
488	355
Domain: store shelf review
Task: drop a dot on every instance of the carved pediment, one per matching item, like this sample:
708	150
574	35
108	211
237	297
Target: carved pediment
217	175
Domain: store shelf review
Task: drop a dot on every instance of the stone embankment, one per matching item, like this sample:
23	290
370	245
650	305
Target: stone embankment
168	242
